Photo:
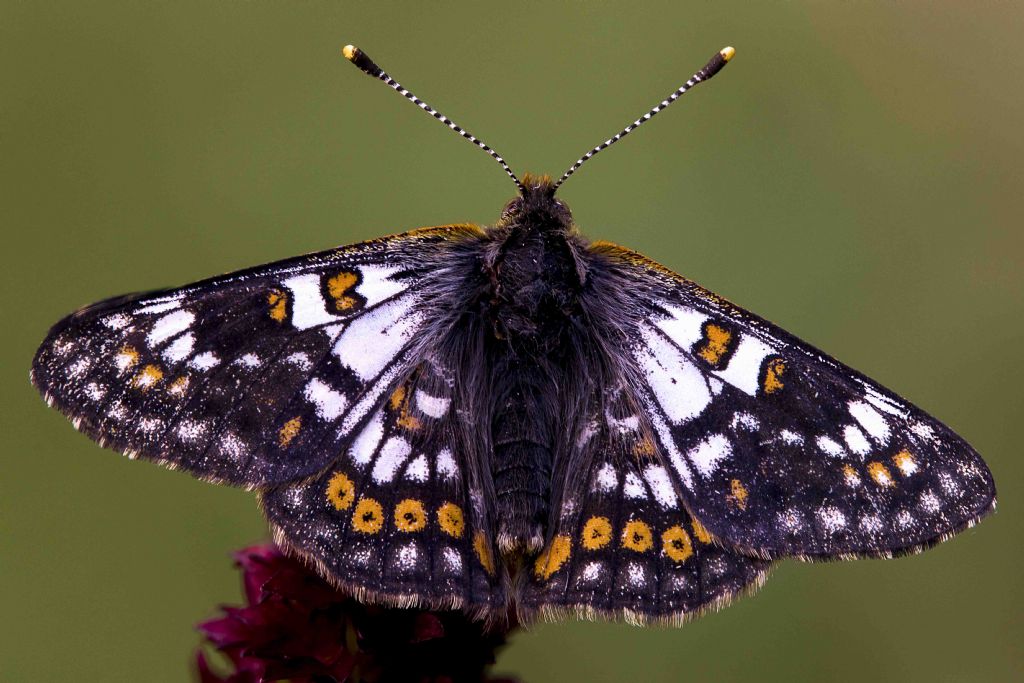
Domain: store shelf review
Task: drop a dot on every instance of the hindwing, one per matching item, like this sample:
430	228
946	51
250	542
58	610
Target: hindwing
623	545
400	517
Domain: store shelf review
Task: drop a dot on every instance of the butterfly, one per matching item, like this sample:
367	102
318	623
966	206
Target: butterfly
514	418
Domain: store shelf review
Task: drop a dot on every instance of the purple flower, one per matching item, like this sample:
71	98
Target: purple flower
296	627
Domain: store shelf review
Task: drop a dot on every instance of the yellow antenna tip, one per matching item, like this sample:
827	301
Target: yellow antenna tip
350	52
726	52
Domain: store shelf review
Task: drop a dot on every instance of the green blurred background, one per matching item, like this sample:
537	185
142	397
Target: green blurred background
854	175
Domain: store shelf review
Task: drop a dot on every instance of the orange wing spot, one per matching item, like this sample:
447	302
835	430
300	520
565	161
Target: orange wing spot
597	533
398	398
483	551
637	536
643	448
147	377
407	421
452	522
410	516
905	462
289	431
339	287
400	401
851	476
278	303
178	387
677	544
716	344
700	532
773	376
738	494
368	517
341	492
880	473
553	557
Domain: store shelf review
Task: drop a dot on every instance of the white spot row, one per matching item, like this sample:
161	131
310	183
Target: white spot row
394	453
606	480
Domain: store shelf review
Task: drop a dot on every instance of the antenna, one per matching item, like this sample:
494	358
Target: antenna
710	69
367	66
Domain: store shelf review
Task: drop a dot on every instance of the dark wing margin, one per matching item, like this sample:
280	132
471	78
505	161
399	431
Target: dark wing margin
253	378
777	448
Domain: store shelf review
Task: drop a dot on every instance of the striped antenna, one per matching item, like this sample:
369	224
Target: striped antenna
367	66
710	69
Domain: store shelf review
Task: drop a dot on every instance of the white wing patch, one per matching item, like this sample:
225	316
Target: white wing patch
179	349
871	420
417	470
432	406
170	325
118	321
634	487
684	325
372	341
678	385
829	446
744	367
308	306
661	485
607	479
446	466
882	403
855	440
330	403
674	456
205	361
392	455
366	442
160	306
706	455
377	284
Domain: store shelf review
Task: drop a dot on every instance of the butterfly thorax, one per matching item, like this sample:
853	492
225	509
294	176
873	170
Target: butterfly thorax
534	270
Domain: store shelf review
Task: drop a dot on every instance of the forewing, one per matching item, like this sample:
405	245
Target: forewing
253	378
623	544
777	448
400	517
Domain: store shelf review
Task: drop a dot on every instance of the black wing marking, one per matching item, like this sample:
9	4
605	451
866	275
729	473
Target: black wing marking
623	546
779	449
399	518
253	378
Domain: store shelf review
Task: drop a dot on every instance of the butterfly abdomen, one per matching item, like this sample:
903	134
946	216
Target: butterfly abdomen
523	439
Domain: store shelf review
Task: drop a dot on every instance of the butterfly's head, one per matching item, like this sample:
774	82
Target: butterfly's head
537	206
